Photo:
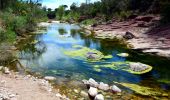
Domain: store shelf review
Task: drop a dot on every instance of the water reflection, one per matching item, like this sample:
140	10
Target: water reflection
47	57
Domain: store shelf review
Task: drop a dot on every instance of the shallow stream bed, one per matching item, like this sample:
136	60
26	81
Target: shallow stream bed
45	54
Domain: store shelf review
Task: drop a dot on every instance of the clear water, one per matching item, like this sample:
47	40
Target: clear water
47	57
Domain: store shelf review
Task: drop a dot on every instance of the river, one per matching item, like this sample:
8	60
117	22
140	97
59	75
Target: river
44	54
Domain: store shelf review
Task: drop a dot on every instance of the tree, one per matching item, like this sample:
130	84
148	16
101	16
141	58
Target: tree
60	11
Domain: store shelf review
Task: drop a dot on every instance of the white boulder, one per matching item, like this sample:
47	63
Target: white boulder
93	83
92	91
103	86
99	97
114	88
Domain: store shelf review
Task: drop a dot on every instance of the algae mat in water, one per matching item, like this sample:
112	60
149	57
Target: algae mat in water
142	90
87	54
121	66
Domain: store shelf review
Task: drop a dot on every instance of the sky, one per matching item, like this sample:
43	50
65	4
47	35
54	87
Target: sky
55	3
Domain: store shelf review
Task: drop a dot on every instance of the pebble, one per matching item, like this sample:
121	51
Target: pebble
76	91
84	94
1	67
12	95
92	91
99	97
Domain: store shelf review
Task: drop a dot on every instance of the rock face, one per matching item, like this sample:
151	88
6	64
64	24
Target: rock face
49	78
114	88
103	86
138	67
128	35
99	97
92	91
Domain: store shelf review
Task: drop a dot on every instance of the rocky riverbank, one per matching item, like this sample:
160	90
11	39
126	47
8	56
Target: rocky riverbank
140	32
14	86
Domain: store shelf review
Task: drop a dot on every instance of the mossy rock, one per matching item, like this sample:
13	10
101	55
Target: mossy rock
84	53
121	66
142	90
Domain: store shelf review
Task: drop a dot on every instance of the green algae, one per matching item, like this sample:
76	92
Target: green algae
82	52
108	57
142	90
166	81
120	66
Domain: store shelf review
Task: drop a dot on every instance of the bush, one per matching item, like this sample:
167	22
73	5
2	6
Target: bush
2	34
88	22
165	13
122	15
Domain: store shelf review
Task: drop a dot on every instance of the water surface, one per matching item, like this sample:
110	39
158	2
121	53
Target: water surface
47	58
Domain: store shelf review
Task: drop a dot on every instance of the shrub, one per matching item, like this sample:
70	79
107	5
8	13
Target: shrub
88	22
122	15
165	13
2	34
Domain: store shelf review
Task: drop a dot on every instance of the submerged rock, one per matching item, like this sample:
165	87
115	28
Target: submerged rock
103	86
114	88
123	54
92	56
49	78
139	67
131	67
92	91
99	97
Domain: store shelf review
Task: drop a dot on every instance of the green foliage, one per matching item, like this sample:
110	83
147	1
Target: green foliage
20	18
165	12
71	16
60	12
2	34
89	22
122	15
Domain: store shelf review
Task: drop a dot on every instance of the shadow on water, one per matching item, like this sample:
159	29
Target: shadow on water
46	57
